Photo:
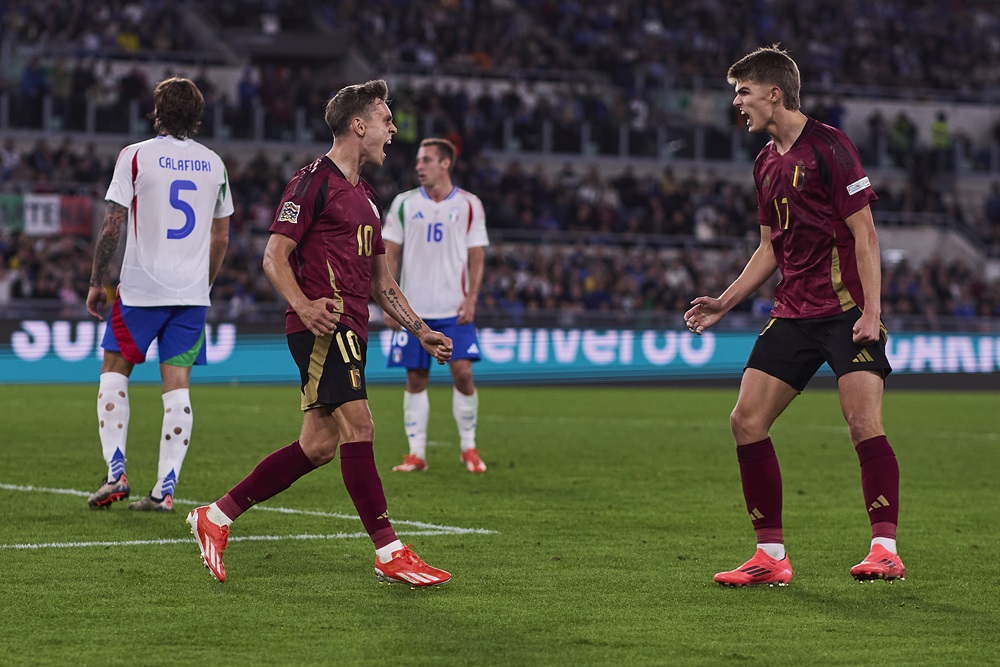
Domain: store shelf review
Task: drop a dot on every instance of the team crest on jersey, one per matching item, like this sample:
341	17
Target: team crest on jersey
289	212
798	176
767	180
453	215
355	374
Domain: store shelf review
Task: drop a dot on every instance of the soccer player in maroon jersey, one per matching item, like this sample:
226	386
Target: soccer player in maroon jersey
816	226
326	257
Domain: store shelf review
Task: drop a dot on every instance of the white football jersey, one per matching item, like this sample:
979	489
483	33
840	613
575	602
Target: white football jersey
173	189
436	237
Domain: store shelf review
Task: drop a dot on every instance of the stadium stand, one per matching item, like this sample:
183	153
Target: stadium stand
615	178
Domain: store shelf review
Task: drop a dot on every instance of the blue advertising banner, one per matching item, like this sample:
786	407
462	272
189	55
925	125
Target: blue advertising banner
37	351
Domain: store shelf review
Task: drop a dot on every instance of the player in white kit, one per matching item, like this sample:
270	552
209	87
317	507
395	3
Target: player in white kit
170	194
439	230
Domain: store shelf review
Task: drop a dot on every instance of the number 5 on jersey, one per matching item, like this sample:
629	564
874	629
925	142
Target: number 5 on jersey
175	201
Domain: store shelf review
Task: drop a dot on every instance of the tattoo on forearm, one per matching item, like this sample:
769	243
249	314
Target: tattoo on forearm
107	241
406	316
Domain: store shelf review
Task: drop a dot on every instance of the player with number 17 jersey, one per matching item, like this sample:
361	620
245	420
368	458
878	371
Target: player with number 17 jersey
805	197
169	186
343	225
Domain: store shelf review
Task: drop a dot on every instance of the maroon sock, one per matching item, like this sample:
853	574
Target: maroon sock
762	489
880	484
275	473
357	464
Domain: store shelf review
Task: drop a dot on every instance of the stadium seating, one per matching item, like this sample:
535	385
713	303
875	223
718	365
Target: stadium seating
617	161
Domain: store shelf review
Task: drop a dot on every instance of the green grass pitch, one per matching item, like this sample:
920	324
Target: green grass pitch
601	520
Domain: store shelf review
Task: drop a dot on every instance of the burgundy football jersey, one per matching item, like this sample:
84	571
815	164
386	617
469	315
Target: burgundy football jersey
804	197
338	229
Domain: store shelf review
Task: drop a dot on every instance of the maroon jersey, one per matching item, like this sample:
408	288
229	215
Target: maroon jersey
338	229
804	197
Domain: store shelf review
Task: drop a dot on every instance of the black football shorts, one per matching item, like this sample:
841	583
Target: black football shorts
793	350
331	368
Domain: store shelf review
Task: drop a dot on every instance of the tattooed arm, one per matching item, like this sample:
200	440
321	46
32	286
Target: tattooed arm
104	251
387	294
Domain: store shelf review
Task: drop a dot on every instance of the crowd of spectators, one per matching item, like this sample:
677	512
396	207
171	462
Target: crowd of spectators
96	27
567	241
619	239
890	44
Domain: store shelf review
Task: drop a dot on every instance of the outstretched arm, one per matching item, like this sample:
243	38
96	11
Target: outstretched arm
105	247
393	258
706	310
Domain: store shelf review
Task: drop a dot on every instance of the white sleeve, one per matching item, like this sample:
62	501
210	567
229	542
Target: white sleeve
477	230
122	188
392	230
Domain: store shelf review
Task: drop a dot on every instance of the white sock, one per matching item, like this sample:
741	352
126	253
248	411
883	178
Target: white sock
888	543
416	411
773	549
112	420
465	410
217	516
385	553
174	439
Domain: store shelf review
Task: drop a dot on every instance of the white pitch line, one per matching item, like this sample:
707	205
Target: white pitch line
452	530
245	538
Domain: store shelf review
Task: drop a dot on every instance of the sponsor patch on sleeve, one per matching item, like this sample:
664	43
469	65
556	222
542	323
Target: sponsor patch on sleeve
858	185
290	212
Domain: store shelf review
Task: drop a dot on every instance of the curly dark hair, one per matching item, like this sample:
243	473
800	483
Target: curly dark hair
177	107
353	101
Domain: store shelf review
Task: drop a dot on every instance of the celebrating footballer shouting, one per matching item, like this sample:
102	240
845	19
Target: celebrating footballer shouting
326	257
813	203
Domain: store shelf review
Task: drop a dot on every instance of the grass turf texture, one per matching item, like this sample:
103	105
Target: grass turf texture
612	509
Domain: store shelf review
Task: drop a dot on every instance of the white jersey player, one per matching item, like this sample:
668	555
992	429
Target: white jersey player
172	195
439	231
167	184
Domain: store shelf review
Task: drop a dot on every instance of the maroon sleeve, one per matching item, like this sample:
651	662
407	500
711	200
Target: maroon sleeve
850	188
294	215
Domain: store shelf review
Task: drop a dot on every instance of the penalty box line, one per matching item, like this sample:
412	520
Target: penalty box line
422	528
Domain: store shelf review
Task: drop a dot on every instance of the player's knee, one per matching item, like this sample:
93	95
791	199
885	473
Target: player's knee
416	380
319	452
746	426
863	427
464	384
363	432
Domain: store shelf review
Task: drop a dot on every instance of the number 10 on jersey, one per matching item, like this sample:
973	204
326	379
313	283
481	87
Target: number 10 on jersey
365	233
